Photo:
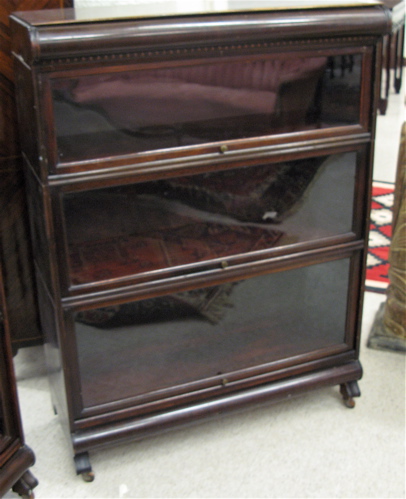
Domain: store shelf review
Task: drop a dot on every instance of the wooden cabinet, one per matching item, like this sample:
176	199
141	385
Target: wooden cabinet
15	457
199	188
393	50
15	247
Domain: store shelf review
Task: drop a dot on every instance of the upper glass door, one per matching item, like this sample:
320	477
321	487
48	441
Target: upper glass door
136	111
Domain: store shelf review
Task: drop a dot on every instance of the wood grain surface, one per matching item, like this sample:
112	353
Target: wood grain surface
15	251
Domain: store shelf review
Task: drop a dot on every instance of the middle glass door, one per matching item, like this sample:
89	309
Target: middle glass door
129	230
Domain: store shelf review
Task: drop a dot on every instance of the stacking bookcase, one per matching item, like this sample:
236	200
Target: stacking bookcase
199	190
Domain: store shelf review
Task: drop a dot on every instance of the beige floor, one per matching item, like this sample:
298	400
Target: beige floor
311	446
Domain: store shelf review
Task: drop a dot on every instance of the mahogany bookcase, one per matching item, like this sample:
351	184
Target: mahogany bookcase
199	188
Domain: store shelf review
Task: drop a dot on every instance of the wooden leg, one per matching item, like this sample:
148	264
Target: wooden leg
388	61
349	391
83	466
383	101
400	37
383	106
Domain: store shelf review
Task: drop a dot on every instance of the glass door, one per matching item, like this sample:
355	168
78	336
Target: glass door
197	221
168	346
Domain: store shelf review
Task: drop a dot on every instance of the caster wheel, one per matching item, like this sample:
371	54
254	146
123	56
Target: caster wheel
350	403
88	476
349	391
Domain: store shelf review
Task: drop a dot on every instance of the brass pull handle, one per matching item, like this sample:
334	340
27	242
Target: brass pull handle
223	148
224	264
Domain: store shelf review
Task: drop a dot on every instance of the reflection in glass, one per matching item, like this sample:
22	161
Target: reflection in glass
143	110
140	347
131	229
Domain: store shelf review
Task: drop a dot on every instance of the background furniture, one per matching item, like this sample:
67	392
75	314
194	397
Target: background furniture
15	246
15	457
199	228
393	50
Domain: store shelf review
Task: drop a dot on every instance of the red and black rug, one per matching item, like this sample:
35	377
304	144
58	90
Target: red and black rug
379	237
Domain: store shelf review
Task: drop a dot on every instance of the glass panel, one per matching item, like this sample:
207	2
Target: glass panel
144	346
155	225
144	110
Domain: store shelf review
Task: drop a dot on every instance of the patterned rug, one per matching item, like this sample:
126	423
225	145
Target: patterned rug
379	237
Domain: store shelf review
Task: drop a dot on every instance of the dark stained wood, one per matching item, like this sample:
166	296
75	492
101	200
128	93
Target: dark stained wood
15	457
115	323
15	253
149	426
15	247
9	144
108	38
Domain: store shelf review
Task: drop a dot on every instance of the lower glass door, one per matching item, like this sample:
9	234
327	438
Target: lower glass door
143	348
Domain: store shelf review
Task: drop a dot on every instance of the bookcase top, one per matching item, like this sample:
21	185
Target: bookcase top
175	8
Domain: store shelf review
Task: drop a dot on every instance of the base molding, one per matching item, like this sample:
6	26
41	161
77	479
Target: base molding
149	425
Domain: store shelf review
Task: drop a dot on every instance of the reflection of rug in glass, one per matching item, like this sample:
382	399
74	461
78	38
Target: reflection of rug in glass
207	303
194	242
266	193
